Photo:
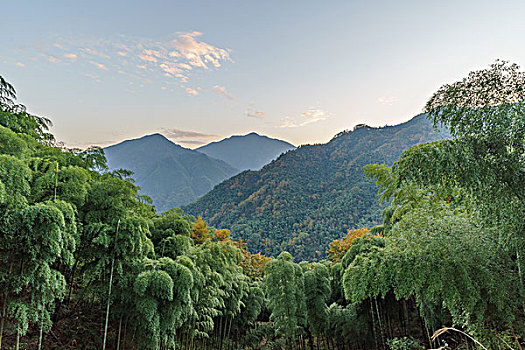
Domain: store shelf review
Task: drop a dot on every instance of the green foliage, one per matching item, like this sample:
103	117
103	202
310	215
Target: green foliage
405	343
284	288
317	295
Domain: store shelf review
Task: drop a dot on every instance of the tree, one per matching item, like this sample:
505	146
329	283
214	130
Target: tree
338	248
284	287
486	156
201	232
317	295
43	240
15	116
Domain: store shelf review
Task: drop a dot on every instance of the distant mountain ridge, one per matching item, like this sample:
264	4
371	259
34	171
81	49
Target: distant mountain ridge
247	152
312	195
170	174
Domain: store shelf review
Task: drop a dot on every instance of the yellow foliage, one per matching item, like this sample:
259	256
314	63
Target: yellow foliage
338	248
201	232
222	234
252	264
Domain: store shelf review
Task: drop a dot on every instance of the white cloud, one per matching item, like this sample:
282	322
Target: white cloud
221	91
170	68
198	53
191	91
312	115
147	58
152	53
71	56
20	64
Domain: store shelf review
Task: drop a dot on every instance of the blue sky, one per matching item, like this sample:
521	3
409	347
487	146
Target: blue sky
198	71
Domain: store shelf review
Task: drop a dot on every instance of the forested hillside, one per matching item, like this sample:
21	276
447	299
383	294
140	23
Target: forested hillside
168	173
310	196
246	152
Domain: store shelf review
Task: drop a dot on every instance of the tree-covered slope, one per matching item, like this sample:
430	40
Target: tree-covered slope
247	152
307	197
170	174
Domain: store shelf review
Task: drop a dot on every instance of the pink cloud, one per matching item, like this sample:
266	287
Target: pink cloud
98	65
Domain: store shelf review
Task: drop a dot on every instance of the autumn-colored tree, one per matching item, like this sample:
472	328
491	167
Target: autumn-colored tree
222	235
201	232
338	248
252	264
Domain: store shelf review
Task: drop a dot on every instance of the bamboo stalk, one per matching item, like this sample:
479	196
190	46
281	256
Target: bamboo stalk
56	182
108	303
109	293
40	337
4	309
119	329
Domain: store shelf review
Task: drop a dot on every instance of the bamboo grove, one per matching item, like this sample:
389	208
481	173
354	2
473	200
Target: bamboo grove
87	263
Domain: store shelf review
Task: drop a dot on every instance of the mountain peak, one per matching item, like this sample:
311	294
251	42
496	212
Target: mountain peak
170	174
246	152
156	136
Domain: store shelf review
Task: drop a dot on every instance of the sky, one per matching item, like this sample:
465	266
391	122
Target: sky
199	71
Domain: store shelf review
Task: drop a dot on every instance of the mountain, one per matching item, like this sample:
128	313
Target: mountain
312	195
247	152
170	174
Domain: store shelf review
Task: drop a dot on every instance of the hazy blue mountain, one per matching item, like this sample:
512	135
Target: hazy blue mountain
170	174
247	152
312	195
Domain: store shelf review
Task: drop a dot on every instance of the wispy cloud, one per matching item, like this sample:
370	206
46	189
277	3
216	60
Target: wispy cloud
99	65
192	142
221	91
20	64
94	77
191	91
52	59
312	115
184	134
187	136
252	112
147	58
87	144
387	100
96	53
171	60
